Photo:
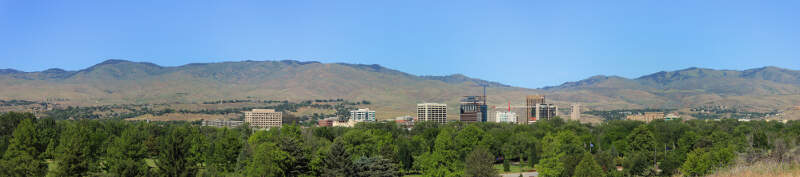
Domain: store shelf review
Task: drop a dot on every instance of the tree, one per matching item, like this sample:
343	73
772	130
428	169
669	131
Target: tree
480	162
21	158
175	159
74	155
588	167
506	165
292	142
338	163
266	161
126	154
442	161
224	151
640	151
561	154
375	167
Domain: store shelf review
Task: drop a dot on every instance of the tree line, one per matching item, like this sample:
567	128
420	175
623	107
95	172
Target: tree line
555	148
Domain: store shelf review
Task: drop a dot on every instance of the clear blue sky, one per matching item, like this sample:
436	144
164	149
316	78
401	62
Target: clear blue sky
522	43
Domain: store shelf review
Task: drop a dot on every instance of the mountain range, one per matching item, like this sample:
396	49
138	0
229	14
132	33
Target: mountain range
392	92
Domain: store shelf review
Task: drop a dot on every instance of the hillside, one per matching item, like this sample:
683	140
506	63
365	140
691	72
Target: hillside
392	92
760	89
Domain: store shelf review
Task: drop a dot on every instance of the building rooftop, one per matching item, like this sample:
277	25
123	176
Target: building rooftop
262	110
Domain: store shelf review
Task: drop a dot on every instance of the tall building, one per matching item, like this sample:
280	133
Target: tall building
542	112
362	115
530	102
473	109
506	116
435	112
576	112
263	118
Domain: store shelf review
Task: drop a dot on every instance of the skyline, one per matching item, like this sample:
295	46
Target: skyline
505	42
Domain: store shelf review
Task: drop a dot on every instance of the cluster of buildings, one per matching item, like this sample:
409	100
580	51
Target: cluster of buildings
471	109
651	116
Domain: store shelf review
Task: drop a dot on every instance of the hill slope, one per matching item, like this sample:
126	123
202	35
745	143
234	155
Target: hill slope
392	92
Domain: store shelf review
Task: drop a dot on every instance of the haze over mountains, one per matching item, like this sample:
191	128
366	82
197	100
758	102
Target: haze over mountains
392	92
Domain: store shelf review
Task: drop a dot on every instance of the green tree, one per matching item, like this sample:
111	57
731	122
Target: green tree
266	161
21	158
480	162
74	155
338	162
126	154
224	151
588	167
375	167
175	158
506	165
562	152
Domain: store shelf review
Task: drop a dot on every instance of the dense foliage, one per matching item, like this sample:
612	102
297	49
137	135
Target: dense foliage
554	147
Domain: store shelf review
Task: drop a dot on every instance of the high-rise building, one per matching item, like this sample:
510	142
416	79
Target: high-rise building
473	109
543	112
263	118
530	102
362	115
435	112
576	112
506	116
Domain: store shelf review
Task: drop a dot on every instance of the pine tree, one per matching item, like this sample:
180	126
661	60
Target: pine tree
375	167
125	156
588	167
338	162
175	158
73	154
21	158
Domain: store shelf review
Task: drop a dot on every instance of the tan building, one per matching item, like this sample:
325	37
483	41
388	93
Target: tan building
647	116
435	112
263	118
531	101
576	112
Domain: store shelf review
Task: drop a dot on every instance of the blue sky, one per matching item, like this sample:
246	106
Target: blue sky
522	43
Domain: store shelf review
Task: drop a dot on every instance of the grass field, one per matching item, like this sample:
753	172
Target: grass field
761	169
514	168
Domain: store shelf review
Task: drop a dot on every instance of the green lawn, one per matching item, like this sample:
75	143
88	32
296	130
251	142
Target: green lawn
514	168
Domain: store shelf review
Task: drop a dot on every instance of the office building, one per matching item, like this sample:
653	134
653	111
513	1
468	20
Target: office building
506	116
530	102
542	112
434	112
263	118
576	112
473	109
362	115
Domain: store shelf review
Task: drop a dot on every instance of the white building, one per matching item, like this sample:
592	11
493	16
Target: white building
362	115
435	112
508	117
